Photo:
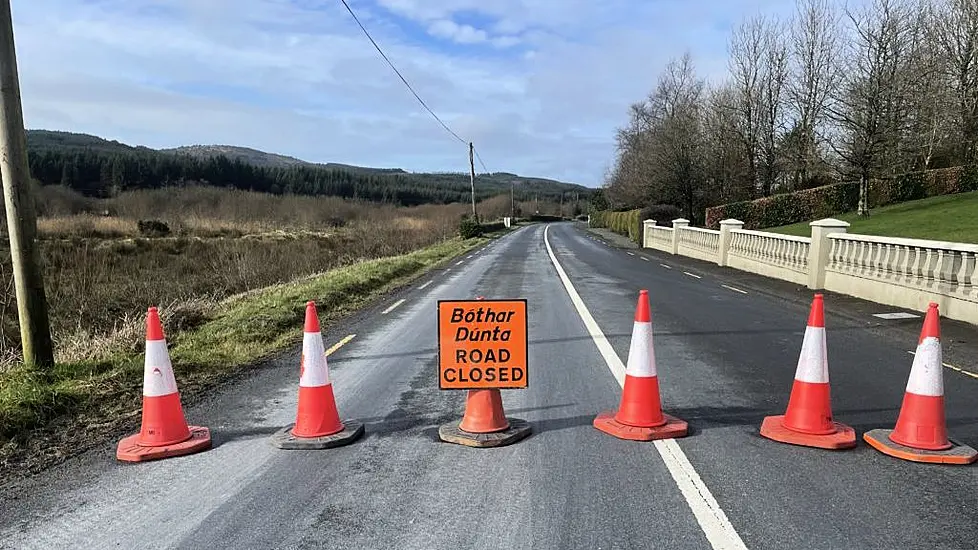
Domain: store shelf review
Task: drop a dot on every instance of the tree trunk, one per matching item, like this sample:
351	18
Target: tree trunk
863	195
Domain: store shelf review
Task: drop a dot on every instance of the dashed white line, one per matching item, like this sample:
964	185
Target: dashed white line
645	259
426	285
460	262
630	253
734	289
956	369
393	306
666	266
712	519
692	275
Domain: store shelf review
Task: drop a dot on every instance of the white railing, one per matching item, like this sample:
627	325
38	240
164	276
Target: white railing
771	254
908	273
657	237
697	242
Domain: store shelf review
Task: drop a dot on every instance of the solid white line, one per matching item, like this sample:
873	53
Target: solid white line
704	506
426	285
393	306
666	266
692	274
734	289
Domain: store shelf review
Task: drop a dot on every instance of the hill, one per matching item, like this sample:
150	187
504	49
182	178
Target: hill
98	167
951	218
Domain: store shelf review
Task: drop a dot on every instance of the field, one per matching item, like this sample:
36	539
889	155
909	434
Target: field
230	277
951	218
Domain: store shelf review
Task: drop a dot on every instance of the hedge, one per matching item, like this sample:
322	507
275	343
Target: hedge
838	198
628	223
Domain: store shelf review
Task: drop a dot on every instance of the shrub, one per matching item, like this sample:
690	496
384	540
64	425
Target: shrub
153	228
545	218
626	223
469	227
663	214
830	200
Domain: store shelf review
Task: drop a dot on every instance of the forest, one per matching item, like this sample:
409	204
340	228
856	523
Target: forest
99	168
830	94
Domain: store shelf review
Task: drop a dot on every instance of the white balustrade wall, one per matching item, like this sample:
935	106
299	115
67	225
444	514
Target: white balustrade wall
906	273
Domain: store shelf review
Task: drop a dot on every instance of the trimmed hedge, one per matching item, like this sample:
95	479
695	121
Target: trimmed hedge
628	223
830	200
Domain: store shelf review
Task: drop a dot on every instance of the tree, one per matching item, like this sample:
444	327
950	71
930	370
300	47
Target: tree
956	34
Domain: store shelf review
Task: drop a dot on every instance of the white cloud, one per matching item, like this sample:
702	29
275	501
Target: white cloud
538	85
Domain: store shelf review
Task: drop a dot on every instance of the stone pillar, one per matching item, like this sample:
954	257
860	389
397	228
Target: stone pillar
647	226
726	226
677	225
818	253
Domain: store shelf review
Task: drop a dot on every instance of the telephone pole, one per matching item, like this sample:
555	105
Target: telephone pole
35	334
472	177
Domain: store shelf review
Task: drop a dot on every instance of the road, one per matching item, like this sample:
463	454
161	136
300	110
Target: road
726	355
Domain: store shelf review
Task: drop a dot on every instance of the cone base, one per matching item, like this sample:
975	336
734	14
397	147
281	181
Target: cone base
958	454
129	449
285	439
517	430
773	428
673	428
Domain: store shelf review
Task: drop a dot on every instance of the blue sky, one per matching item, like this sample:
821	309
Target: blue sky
538	85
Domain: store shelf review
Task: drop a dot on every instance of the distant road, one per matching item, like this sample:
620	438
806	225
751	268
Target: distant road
726	353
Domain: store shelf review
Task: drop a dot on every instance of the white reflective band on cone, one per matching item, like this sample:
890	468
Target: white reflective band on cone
158	377
315	373
641	356
813	364
926	374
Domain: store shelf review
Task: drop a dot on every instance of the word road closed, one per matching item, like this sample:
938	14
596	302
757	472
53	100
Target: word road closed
482	344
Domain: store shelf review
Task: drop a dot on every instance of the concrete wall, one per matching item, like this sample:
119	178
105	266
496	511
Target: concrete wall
907	273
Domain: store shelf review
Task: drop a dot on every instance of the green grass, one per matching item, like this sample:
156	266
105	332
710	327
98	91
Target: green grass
240	331
947	218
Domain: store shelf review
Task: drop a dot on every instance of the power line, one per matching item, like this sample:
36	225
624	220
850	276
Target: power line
423	104
479	158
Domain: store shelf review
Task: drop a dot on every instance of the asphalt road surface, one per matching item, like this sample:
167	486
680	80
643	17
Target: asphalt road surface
726	346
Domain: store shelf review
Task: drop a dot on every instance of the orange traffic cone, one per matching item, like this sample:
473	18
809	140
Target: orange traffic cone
164	432
640	415
317	423
920	434
484	423
808	419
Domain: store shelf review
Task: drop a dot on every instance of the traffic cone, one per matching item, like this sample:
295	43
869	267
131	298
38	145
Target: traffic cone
808	419
484	423
317	424
920	434
164	432
640	415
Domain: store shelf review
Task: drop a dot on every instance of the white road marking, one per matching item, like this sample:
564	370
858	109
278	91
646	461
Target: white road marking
460	262
734	289
896	315
692	275
426	285
956	369
704	506
666	266
469	257
646	259
630	253
393	306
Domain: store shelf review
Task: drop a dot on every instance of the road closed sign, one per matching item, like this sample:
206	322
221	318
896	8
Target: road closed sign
482	344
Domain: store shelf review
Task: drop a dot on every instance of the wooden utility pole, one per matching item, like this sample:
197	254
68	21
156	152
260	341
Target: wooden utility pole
512	199
35	333
472	177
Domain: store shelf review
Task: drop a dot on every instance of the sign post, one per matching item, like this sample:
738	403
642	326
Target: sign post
482	348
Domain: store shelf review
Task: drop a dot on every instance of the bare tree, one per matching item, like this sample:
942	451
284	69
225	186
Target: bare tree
864	106
956	30
773	76
746	52
814	76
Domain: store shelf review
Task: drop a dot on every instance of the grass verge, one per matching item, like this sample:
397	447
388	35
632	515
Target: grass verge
74	405
947	218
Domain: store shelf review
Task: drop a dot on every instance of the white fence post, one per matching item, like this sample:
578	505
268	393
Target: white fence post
647	226
726	226
677	226
818	254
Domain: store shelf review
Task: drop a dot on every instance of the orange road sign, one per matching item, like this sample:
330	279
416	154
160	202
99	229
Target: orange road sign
482	344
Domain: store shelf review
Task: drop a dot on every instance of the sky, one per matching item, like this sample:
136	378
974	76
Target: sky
539	86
